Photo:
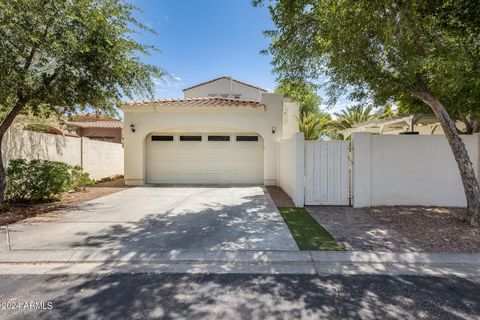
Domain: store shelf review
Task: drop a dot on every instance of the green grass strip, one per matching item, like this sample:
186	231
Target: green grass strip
307	232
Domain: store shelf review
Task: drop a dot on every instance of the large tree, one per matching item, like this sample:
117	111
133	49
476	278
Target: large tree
313	122
64	56
303	92
381	49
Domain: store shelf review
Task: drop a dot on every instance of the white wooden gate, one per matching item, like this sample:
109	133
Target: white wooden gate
326	173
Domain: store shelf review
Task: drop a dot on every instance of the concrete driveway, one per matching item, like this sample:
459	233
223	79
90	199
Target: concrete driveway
162	219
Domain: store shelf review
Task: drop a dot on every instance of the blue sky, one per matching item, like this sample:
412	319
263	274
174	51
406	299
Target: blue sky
203	39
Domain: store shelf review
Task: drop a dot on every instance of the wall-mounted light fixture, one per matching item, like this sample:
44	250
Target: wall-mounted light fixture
132	127
274	129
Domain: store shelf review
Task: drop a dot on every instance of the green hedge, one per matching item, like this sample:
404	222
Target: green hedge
40	180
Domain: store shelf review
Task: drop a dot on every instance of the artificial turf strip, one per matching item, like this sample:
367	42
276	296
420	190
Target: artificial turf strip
308	234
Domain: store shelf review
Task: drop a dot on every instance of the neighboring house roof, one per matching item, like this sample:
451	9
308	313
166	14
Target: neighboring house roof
70	134
225	77
97	124
395	124
198	102
90	117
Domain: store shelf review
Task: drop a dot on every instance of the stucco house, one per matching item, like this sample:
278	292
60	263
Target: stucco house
223	131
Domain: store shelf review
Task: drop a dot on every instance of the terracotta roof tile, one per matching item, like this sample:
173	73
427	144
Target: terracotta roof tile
197	102
98	124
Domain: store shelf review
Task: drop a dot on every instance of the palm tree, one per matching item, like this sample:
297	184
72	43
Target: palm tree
386	112
314	125
353	115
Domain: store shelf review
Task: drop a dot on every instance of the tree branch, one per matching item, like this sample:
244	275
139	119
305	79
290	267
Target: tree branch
468	125
21	98
33	51
22	52
417	34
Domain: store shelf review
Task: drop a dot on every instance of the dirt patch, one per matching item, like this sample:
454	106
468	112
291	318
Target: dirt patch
435	229
280	197
118	182
18	212
358	231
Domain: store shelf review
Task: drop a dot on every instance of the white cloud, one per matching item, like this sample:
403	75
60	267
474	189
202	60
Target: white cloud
158	81
340	106
169	86
170	81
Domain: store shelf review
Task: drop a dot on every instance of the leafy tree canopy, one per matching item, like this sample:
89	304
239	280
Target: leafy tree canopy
376	49
301	91
62	55
379	50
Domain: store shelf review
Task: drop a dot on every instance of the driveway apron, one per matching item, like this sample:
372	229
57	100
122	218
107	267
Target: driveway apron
155	218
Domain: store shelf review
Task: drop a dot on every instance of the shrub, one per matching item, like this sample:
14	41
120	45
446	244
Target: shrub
39	180
80	180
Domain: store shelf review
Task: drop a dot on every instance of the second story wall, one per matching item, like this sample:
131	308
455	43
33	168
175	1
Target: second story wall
225	87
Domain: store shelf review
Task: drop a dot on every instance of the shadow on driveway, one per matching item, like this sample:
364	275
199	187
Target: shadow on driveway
179	296
163	219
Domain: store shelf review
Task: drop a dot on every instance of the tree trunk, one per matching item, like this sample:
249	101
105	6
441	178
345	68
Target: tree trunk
470	183
3	180
6	123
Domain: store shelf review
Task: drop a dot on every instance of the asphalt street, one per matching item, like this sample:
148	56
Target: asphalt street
238	296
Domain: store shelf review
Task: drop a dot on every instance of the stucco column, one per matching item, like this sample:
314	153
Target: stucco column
362	170
134	158
270	164
299	198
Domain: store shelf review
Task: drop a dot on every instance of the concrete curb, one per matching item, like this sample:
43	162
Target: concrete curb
233	262
240	256
393	257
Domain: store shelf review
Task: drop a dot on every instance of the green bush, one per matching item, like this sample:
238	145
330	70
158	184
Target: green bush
39	180
80	180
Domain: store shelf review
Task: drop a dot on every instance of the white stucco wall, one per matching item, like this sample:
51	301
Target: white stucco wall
148	119
29	145
291	169
100	159
291	111
224	86
408	170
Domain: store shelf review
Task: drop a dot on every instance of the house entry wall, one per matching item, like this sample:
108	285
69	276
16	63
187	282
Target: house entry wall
381	170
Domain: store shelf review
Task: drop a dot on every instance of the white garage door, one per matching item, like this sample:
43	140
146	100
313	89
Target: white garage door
204	158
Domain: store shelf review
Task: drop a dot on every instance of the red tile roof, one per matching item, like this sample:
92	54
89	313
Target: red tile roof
97	124
198	102
225	77
89	117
